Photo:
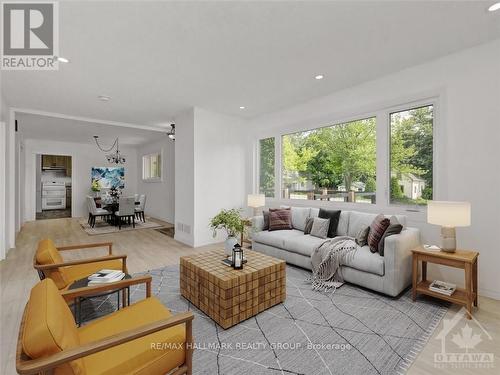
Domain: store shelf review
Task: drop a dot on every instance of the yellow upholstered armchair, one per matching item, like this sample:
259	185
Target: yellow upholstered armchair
50	264
142	338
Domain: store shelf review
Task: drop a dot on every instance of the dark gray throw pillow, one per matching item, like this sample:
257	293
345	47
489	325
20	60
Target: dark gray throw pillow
266	220
362	236
334	216
391	230
309	224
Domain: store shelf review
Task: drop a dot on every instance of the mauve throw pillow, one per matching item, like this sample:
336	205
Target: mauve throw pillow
334	216
309	224
377	230
280	219
391	230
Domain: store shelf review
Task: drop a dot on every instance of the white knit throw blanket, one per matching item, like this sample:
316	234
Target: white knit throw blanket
326	260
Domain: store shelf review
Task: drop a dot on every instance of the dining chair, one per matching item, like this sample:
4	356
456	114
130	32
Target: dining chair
95	212
136	197
139	210
126	209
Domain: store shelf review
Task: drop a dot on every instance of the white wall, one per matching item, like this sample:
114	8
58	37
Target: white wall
467	138
210	172
160	202
3	174
184	177
219	170
84	157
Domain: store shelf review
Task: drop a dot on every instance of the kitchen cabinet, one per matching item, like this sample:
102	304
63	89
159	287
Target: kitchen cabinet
50	161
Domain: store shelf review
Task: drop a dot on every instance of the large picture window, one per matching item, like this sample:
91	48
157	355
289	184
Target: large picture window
411	155
266	174
334	163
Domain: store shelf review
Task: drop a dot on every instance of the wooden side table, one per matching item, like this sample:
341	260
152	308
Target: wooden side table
464	259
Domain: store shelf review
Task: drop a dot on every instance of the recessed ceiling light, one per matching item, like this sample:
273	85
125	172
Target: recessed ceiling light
63	59
319	76
494	7
242	107
104	98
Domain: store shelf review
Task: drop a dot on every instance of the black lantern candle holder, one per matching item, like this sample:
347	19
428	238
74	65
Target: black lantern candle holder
237	257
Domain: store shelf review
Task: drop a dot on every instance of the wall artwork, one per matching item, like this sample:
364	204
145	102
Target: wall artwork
108	177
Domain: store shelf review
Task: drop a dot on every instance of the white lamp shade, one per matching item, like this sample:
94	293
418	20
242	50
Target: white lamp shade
256	200
448	214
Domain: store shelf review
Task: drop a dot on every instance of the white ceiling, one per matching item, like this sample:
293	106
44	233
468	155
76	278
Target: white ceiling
34	126
156	59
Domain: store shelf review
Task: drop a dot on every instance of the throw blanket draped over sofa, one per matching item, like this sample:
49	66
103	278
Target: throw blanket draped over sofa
389	274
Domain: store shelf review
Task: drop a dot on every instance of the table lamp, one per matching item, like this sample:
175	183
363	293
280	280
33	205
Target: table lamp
255	201
449	215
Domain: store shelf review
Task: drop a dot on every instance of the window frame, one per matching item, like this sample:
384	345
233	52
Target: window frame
434	102
381	111
150	155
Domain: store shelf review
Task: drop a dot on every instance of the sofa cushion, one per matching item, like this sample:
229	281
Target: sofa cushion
299	217
343	226
334	216
79	271
303	245
47	253
49	327
276	238
364	260
314	212
137	356
358	220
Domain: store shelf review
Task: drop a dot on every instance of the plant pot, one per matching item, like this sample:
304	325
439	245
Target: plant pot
229	244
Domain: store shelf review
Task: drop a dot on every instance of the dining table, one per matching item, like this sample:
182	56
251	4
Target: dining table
112	205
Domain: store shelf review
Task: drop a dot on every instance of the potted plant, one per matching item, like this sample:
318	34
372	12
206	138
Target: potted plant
95	187
231	222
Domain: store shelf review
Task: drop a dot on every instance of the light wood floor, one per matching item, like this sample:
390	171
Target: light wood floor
148	249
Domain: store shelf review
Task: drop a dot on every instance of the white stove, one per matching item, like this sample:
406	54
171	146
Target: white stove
53	195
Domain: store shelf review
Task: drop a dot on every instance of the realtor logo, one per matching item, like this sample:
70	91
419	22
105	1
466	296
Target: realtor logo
29	35
464	342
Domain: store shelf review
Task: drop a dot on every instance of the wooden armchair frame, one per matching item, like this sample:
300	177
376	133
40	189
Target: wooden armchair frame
46	365
41	268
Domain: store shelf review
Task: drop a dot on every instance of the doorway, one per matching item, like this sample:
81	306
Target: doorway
53	186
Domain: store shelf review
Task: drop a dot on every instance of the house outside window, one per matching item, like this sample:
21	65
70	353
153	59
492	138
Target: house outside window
151	167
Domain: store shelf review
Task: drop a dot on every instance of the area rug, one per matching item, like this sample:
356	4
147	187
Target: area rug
352	330
102	227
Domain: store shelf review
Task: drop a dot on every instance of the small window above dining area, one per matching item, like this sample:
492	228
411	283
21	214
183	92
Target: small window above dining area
151	167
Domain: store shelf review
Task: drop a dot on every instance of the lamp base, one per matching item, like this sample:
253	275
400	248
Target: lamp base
448	239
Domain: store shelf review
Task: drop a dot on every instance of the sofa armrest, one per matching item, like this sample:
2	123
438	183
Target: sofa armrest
397	257
257	223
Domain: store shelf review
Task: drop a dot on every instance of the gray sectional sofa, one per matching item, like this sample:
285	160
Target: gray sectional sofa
389	274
